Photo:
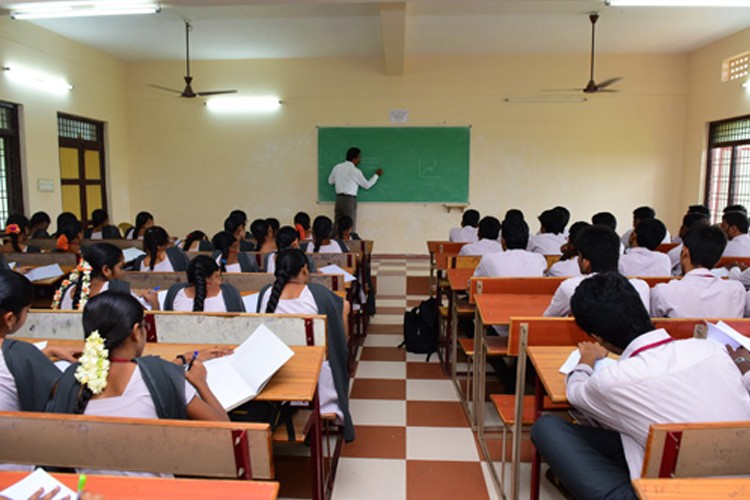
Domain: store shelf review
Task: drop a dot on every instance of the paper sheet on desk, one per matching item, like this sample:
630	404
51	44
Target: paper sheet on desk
575	358
45	272
29	485
162	296
334	269
130	254
251	302
726	335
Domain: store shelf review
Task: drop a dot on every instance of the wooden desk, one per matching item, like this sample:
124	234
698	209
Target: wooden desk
458	282
692	489
122	487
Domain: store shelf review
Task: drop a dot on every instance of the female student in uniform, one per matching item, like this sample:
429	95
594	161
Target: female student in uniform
196	241
302	225
263	234
38	225
322	242
344	229
16	233
228	256
237	226
100	228
204	291
143	221
69	238
161	255
286	237
292	293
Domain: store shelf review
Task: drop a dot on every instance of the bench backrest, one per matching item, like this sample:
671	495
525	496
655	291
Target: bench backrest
42	259
343	260
244	282
463	261
360	246
527	286
551	259
731	260
185	447
666	247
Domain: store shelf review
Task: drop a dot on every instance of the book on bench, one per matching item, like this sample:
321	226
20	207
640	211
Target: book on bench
726	335
239	377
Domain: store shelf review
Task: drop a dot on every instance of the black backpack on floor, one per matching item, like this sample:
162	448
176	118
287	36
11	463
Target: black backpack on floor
422	328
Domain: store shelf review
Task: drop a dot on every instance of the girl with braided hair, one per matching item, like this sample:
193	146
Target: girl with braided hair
161	255
286	237
100	228
16	233
228	256
322	242
196	241
143	221
69	238
263	234
204	291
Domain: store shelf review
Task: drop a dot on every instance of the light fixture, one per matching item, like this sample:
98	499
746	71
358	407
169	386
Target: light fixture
678	3
559	98
255	104
40	81
49	10
746	85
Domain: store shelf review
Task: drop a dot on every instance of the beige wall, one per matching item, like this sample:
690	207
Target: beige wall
99	93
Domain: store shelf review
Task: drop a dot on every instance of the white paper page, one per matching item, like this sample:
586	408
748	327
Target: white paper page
41	345
575	358
130	254
45	272
12	265
259	357
62	365
226	384
334	269
251	302
720	272
29	485
162	296
726	335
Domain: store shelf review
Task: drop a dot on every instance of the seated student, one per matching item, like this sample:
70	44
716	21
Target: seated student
639	214
228	256
38	225
699	294
204	290
515	261
64	220
287	237
242	216
237	227
16	233
489	232
302	225
609	220
143	221
564	215
688	220
344	229
101	269
568	263
274	224
197	241
467	233
735	208
698	210
656	380
642	259
292	293
551	234
69	238
161	255
735	226
322	241
264	242
598	252
100	228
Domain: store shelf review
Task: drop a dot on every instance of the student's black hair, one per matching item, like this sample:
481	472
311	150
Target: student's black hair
737	219
274	224
515	234
192	237
691	218
239	214
99	217
706	244
289	263
200	269
97	255
513	213
470	218
699	209
303	219
113	315
352	153
489	228
222	241
608	306
651	235
231	224
285	236
22	222
39	218
63	220
575	229
153	238
259	230
71	231
140	220
16	292
565	213
605	219
552	221
644	212
344	224
736	208
600	246
322	229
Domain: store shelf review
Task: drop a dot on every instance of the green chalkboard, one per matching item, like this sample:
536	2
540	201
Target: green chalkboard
420	164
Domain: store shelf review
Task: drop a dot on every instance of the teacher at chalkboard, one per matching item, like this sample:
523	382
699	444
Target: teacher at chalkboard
347	179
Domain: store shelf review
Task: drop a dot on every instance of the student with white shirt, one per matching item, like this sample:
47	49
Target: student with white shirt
699	294
100	228
645	386
263	234
161	255
322	242
196	241
204	290
287	237
143	221
609	220
639	214
228	256
236	224
735	226
347	179
489	231
568	263
598	252
643	259
688	220
551	235
515	260
468	232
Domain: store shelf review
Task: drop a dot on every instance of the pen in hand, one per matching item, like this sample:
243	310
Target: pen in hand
81	484
190	364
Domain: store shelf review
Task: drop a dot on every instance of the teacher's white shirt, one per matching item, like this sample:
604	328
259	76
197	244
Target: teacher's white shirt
348	179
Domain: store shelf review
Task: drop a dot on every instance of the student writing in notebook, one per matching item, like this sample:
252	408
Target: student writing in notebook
228	256
322	240
236	225
515	261
196	241
551	234
69	238
204	291
642	259
467	233
263	234
39	225
161	255
735	226
143	221
568	264
488	234
16	234
100	228
287	237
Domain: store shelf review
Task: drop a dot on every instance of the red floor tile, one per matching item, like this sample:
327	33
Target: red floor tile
386	329
382	354
435	414
418	285
377	442
444	480
364	388
415	370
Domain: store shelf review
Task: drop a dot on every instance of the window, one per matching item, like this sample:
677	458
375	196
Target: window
82	180
11	192
728	170
735	67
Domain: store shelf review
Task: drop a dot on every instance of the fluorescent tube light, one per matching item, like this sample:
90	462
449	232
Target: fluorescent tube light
37	80
561	98
256	104
48	10
678	3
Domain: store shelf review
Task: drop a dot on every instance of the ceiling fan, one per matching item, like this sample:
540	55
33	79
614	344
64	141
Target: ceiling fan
188	90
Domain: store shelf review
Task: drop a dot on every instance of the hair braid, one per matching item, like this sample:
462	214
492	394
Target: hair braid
282	278
84	396
153	252
199	283
14	242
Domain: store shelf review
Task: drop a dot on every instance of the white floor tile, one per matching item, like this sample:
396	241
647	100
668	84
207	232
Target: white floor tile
546	490
421	358
392	303
387	319
430	390
378	412
383	340
391	285
370	478
491	418
381	369
441	443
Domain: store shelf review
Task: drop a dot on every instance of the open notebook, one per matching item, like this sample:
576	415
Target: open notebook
239	377
28	486
726	335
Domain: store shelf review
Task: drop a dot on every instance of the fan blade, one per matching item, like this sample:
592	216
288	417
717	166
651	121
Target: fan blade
579	89
164	88
607	83
608	91
215	92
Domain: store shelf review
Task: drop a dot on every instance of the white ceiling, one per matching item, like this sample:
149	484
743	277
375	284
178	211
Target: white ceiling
233	29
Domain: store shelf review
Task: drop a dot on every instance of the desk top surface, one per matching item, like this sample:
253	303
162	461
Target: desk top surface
692	489
458	279
496	309
547	362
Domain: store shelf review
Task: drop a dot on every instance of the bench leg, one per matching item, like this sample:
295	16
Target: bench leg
316	451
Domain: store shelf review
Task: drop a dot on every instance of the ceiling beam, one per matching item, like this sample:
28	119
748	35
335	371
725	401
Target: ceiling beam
393	29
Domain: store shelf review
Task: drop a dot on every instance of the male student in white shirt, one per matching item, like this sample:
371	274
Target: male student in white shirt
656	379
598	252
552	233
515	261
699	294
467	233
347	179
489	232
568	264
735	226
688	220
639	214
643	259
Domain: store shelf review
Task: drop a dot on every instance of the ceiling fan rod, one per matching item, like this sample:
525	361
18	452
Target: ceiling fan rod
188	27
593	17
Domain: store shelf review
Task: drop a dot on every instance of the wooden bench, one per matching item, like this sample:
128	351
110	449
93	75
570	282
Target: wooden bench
728	488
725	261
439	252
49	244
244	282
68	260
185	447
526	286
666	247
